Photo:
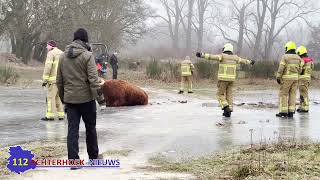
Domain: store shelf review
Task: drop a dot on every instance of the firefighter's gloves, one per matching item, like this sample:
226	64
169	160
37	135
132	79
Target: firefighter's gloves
44	84
252	62
199	54
278	80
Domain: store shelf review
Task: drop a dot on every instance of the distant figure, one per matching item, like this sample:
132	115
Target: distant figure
187	69
114	65
79	86
54	104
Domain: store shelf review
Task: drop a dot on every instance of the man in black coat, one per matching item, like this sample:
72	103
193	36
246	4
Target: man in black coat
114	65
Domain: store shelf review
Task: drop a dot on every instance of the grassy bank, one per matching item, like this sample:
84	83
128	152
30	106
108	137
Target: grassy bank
8	74
285	160
168	77
41	149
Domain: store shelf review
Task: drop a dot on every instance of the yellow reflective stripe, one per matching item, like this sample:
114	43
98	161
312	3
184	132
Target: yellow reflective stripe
292	108
282	63
227	76
45	77
49	105
49	115
291	76
61	114
207	56
229	65
293	65
282	109
49	62
305	76
52	78
222	103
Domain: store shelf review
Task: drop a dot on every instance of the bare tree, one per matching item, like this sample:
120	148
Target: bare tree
314	44
239	18
202	6
282	13
31	23
189	26
258	19
173	19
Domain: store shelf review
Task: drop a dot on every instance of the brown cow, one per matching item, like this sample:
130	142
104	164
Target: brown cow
121	93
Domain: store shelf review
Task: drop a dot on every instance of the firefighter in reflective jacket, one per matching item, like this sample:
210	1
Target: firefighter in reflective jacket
304	79
226	76
288	77
54	104
187	69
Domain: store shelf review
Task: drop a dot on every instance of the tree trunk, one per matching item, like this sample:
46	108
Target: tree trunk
188	34
176	27
202	6
261	19
241	29
270	40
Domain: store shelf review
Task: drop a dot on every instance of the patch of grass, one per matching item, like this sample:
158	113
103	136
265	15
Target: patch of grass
41	149
124	152
272	161
8	74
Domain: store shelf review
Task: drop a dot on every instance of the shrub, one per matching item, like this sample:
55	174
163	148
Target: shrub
317	66
206	69
154	69
8	74
171	71
261	69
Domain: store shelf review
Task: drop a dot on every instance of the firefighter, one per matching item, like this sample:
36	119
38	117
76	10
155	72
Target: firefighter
227	75
288	77
187	69
54	104
304	79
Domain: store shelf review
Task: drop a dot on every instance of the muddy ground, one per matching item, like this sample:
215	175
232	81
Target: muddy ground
172	125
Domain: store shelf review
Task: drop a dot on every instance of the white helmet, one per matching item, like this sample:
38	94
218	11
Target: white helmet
228	47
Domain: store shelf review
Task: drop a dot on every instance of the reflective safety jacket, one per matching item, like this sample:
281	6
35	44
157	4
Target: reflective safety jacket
186	68
227	65
51	66
290	67
306	69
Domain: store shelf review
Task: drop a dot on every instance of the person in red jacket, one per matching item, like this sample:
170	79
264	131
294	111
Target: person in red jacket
304	79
